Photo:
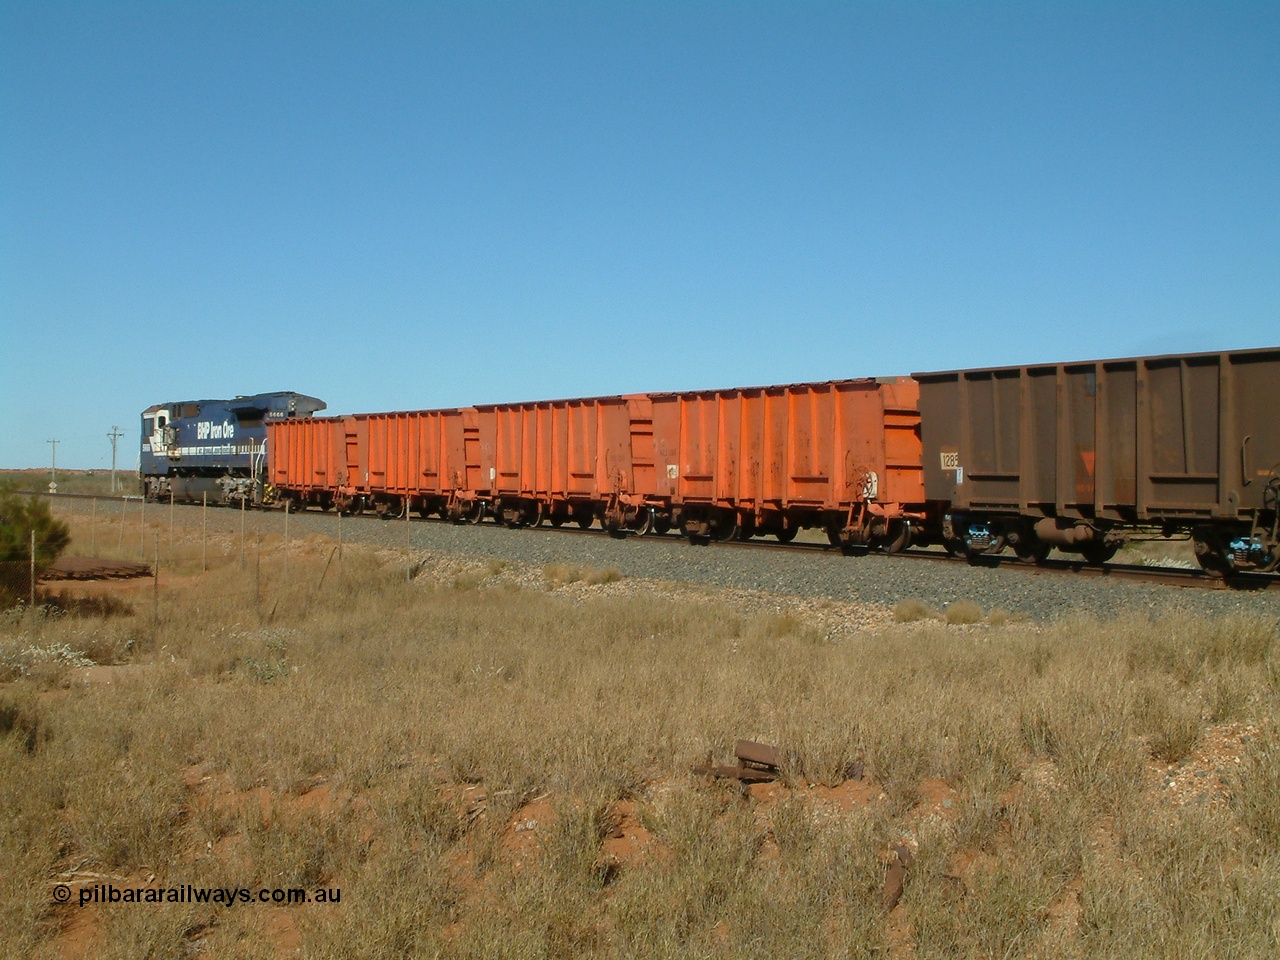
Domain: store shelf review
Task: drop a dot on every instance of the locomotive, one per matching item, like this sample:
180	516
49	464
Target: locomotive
214	449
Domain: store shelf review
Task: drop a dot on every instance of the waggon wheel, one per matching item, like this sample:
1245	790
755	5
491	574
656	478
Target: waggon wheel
1211	559
786	535
584	521
1096	554
476	513
1032	551
533	518
557	520
694	532
644	522
899	536
662	523
724	532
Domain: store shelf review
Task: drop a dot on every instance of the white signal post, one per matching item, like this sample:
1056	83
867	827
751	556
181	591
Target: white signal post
53	474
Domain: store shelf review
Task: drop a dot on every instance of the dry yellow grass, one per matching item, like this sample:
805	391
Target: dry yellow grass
345	728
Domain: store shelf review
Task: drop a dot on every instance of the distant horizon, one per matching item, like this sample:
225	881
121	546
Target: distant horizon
328	412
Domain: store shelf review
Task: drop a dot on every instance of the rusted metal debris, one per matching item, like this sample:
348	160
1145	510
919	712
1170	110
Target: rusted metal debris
93	568
757	763
903	859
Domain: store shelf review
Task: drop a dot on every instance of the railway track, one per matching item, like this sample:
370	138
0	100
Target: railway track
1168	576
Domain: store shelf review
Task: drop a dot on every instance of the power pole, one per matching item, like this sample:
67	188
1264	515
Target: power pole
53	476
113	436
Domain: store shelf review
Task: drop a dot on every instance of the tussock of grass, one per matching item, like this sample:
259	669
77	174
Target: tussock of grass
963	612
999	617
909	611
1254	798
560	574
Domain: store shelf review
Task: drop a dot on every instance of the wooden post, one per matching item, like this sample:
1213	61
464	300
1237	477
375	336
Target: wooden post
288	503
204	529
93	527
242	509
33	573
142	529
408	544
257	578
171	525
155	588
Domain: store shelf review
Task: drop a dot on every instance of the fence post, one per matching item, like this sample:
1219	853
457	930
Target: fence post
257	579
242	500
288	503
155	589
204	529
171	525
408	543
93	527
142	528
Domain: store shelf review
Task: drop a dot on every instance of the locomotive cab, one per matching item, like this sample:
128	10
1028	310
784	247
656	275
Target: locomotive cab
159	432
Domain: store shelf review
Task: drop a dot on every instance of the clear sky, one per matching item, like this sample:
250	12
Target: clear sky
410	205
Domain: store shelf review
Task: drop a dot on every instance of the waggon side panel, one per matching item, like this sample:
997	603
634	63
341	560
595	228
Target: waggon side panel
614	437
302	453
477	455
1252	423
641	445
730	447
898	412
698	433
1125	440
774	428
665	412
404	455
582	445
810	445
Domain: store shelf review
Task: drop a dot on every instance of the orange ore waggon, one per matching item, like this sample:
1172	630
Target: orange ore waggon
841	456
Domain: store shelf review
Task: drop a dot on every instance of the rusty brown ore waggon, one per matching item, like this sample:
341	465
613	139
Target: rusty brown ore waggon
1082	456
841	456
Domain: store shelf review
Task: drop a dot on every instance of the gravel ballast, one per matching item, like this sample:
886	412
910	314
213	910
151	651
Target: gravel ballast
1040	595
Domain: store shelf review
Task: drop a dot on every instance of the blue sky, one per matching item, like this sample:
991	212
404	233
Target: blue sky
410	205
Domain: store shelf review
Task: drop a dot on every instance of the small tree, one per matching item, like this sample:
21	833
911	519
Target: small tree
19	518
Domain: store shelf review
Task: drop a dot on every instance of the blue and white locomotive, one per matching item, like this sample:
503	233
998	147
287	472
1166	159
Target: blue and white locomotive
214	449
